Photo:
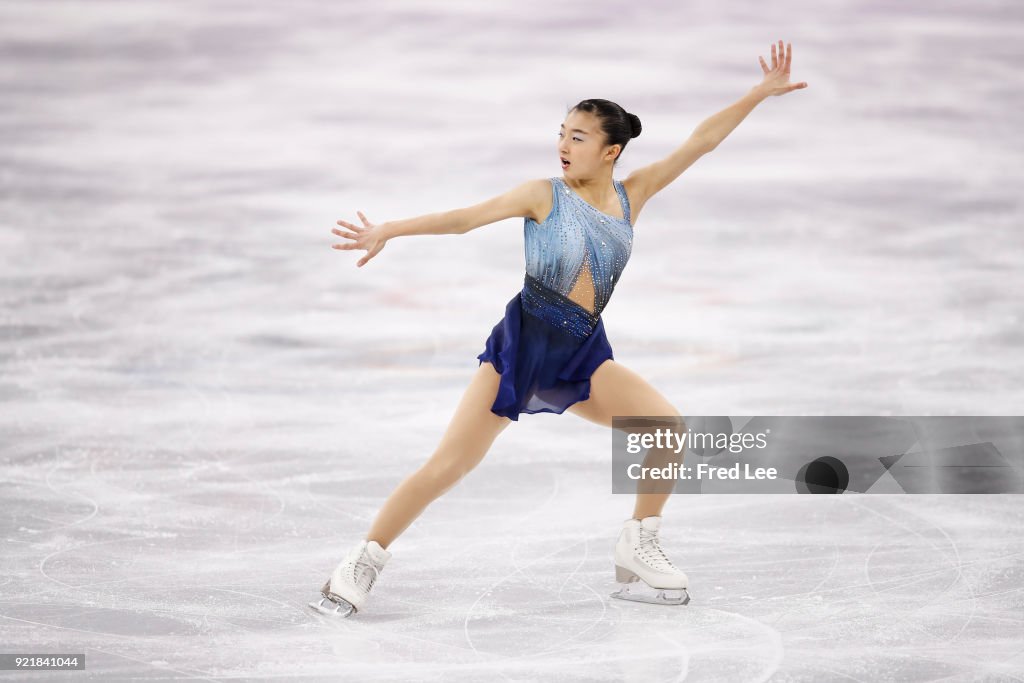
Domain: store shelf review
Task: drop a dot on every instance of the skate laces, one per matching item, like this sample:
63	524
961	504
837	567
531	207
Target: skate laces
652	553
360	565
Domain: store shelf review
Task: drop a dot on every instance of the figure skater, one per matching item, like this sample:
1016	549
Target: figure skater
549	353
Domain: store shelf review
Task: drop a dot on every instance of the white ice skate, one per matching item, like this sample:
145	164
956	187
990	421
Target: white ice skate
644	572
349	586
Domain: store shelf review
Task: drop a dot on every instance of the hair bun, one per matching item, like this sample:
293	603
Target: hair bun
634	123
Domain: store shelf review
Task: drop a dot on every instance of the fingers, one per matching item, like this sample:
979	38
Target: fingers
346	235
350	226
764	67
355	235
782	57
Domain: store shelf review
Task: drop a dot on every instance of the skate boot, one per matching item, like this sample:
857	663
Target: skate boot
644	572
349	586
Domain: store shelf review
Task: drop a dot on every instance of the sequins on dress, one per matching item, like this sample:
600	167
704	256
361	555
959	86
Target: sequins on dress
547	345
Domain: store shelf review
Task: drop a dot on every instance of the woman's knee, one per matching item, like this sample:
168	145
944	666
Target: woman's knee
665	417
677	421
444	472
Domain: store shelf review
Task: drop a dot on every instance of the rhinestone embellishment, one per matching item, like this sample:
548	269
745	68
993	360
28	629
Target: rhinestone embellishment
555	309
576	242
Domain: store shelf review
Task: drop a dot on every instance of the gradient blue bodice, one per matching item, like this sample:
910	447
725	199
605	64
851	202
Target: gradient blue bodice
572	232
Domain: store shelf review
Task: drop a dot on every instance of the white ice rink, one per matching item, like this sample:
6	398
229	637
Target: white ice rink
202	405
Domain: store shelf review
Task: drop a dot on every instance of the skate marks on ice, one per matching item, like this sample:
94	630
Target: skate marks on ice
534	601
554	615
887	587
889	583
884	580
525	593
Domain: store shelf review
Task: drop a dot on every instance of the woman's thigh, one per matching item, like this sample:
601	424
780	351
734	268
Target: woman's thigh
617	390
473	427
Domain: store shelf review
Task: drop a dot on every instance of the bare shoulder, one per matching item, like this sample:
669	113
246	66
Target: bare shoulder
535	198
529	199
526	200
541	198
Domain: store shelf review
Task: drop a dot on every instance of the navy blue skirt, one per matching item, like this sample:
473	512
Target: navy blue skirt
545	349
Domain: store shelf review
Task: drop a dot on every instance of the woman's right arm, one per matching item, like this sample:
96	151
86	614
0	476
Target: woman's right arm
523	200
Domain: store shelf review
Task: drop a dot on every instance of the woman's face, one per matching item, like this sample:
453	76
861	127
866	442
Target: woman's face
581	143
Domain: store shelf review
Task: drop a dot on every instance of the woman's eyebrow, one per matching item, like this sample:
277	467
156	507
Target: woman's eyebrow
574	130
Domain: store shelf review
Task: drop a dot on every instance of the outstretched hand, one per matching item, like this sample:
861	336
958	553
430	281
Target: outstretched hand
776	79
368	237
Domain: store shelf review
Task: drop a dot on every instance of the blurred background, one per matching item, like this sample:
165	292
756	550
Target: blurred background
204	405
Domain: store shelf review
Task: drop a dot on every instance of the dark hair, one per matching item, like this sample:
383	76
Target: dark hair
618	125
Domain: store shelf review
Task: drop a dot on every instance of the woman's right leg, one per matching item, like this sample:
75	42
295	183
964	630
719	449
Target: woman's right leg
469	436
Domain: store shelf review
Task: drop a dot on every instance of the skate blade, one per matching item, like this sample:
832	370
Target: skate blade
655	596
332	608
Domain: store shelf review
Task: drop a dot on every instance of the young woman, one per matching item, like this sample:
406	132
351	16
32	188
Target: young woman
549	353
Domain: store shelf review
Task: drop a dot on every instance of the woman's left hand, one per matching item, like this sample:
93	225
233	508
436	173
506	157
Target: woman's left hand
776	79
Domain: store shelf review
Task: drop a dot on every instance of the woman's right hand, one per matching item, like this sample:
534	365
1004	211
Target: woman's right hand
368	237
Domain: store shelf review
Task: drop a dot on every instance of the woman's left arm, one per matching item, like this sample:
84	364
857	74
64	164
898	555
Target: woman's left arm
715	128
647	181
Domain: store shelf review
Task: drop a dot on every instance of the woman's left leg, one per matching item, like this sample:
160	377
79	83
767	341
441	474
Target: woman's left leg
615	390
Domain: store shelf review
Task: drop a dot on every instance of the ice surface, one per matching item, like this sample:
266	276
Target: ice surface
203	405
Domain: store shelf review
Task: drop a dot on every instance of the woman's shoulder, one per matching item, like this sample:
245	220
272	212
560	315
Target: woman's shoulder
544	197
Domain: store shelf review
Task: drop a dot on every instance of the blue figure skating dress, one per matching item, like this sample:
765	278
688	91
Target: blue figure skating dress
547	346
